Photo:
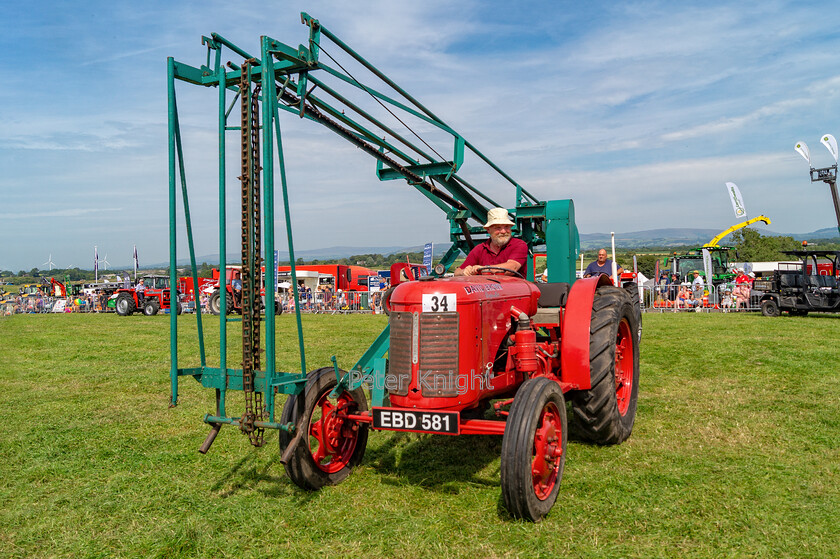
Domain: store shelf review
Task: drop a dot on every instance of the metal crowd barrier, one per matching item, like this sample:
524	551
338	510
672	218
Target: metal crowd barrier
654	298
320	302
45	305
334	303
664	298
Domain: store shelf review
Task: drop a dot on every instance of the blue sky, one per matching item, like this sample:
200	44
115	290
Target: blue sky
639	111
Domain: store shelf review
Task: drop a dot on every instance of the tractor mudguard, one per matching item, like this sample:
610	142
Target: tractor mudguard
574	345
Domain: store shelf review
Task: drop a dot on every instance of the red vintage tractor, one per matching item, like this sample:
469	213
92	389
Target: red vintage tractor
461	347
156	297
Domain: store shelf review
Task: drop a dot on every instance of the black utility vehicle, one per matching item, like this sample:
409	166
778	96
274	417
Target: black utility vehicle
810	285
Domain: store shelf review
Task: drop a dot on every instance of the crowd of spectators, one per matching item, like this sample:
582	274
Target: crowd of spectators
694	293
44	303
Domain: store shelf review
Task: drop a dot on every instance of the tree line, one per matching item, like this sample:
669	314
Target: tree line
748	246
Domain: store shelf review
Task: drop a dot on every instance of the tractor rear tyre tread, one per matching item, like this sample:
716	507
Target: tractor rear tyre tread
215	303
632	289
597	412
302	468
536	400
290	414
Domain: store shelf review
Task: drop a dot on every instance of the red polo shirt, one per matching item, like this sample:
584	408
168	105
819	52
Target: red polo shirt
515	249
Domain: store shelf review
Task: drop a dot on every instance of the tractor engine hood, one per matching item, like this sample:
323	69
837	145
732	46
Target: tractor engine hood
446	335
447	294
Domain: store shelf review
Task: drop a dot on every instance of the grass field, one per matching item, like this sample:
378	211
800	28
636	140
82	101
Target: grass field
736	453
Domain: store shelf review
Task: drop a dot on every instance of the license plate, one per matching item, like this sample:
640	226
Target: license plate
416	421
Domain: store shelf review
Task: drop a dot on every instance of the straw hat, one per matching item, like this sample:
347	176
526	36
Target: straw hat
498	216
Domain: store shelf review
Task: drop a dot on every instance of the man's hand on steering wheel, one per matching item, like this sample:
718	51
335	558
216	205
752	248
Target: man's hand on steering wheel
496	270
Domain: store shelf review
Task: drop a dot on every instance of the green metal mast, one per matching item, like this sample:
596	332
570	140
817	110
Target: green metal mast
297	80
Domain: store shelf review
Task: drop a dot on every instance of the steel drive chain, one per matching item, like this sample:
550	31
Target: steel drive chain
251	262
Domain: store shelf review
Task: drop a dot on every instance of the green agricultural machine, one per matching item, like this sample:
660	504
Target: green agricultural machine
685	264
488	354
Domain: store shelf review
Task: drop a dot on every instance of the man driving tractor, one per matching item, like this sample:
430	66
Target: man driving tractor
501	250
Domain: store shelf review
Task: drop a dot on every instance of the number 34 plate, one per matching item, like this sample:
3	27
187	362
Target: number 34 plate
440	302
392	419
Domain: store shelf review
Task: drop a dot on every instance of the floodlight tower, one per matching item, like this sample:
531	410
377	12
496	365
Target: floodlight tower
827	175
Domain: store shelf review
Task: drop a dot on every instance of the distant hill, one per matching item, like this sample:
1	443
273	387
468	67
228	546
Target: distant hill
652	237
685	236
829	233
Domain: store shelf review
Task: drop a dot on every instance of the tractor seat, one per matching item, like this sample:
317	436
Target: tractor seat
827	281
553	294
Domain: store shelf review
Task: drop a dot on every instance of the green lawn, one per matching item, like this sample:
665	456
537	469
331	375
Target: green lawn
736	452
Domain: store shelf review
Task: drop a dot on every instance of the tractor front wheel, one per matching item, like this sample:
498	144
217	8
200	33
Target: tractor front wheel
770	308
151	308
332	444
606	412
534	449
124	304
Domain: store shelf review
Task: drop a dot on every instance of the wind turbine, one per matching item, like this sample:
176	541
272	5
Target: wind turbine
827	175
49	262
105	262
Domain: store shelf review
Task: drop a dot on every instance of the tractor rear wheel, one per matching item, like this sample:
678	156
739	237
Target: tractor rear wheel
770	308
332	445
606	412
151	308
534	449
124	304
216	304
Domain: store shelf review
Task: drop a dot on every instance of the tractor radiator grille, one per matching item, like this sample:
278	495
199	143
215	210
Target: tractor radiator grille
431	341
400	353
438	351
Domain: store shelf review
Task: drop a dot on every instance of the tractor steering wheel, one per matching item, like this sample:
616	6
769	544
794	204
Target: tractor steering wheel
496	270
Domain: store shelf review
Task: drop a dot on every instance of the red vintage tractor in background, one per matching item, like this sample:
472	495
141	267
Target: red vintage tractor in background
156	298
233	292
233	274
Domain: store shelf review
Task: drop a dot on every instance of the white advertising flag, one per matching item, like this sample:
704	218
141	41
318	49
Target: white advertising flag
136	262
802	149
707	267
831	144
737	201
